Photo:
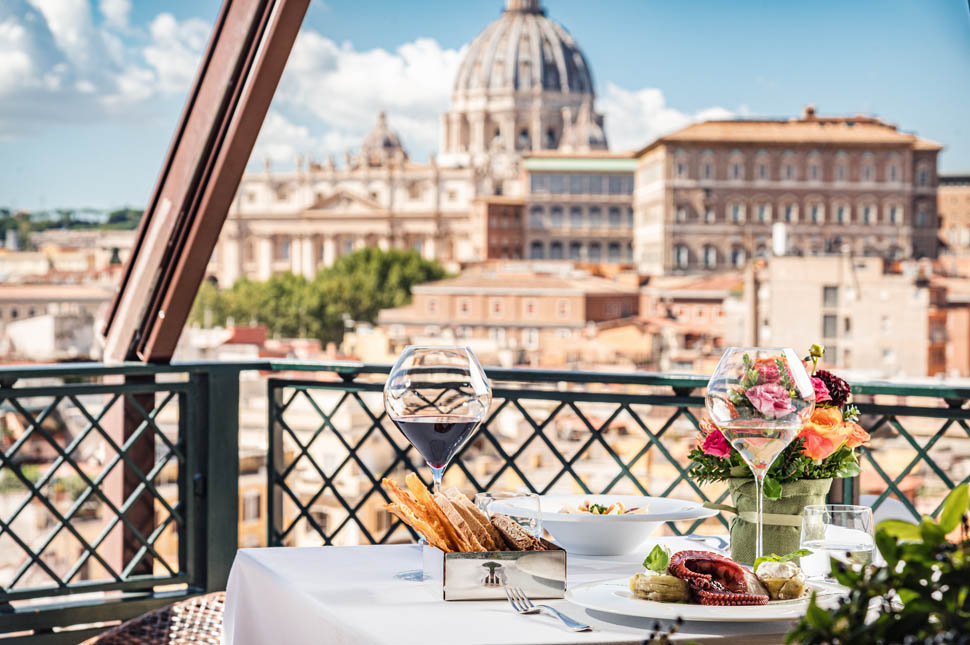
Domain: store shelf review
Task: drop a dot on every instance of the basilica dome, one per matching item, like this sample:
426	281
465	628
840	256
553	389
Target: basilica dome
523	86
381	144
524	51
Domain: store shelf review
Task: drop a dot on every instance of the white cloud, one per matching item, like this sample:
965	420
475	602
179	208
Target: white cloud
635	118
116	12
70	23
345	89
175	50
15	65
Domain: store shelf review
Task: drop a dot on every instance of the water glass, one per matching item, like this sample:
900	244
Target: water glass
525	508
840	531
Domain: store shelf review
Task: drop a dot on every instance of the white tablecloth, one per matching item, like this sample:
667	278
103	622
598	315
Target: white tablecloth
348	596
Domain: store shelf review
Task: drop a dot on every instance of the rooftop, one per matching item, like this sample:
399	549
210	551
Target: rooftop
514	279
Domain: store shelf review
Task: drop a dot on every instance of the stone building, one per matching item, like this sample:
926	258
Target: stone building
953	201
517	307
709	195
523	86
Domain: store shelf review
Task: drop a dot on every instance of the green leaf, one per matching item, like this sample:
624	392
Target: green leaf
954	507
931	532
772	488
817	616
899	529
658	559
887	546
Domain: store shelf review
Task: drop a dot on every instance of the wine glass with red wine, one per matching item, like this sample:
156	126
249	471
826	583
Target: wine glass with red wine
437	396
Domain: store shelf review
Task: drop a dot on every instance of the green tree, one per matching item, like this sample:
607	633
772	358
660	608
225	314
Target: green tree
357	287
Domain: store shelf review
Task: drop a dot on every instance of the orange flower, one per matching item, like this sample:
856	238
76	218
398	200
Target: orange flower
816	446
857	435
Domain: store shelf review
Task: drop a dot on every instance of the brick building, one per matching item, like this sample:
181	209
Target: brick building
708	196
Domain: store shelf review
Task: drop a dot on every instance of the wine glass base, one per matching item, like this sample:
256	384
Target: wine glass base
414	575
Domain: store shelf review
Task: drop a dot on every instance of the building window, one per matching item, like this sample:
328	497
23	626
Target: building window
841	171
557	184
764	213
615	217
738	256
523	142
596	184
537	250
867	173
762	171
788	171
555	251
842	214
816	213
536	218
575	250
893	173
555	217
737	213
432	306
562	308
680	169
830	296
595	252
629	216
868	214
251	506
529	306
681	256
464	306
847	325
539	183
595	217
893	215
530	338
710	257
576	217
737	171
577	184
814	173
550	139
922	176
284	250
709	216
707	170
680	215
613	252
496	307
922	216
629	252
791	213
830	324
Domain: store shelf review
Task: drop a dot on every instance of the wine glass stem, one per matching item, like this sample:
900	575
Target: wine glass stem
436	474
759	479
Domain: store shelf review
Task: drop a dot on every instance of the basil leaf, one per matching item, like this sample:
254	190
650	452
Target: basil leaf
780	558
657	560
772	488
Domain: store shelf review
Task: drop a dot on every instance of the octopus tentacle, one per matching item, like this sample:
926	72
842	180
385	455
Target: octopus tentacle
714	579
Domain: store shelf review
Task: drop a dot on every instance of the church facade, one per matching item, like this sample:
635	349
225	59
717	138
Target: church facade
523	87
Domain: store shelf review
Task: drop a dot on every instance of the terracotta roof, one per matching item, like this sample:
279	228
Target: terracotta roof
497	280
717	282
860	130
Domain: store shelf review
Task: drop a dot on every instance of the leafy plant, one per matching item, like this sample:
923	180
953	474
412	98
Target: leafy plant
780	558
658	559
921	595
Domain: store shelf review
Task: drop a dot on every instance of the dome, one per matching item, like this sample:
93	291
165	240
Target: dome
525	51
381	143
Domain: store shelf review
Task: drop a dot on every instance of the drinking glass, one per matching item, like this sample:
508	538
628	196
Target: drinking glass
437	396
840	531
760	398
525	508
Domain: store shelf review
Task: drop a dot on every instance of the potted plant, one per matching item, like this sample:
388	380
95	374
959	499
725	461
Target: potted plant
802	474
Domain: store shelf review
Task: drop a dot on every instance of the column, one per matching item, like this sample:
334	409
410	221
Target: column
309	264
508	132
229	267
264	258
477	138
329	251
296	256
428	249
383	243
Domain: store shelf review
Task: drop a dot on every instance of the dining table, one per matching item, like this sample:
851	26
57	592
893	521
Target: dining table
349	595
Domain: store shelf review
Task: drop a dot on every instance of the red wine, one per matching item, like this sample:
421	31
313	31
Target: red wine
437	438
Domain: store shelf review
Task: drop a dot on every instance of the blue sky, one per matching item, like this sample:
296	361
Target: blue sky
90	89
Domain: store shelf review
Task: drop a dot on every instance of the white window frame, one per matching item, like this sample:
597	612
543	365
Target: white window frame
710	263
681	256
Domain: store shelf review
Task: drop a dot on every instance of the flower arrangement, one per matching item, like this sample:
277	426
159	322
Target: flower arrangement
825	448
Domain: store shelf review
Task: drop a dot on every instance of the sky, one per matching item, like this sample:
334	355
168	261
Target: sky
90	90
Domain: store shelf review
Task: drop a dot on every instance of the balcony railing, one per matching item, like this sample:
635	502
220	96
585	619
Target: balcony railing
98	526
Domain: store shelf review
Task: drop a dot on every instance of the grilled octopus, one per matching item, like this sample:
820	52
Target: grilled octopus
717	580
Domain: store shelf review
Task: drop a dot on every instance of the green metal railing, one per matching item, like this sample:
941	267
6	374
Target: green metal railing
330	444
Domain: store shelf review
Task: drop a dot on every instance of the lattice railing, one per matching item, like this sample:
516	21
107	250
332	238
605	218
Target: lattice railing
541	434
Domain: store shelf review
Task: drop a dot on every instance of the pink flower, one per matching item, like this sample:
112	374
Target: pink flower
770	399
768	371
715	444
821	390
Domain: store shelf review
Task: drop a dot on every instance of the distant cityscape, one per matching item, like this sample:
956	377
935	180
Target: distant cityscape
557	253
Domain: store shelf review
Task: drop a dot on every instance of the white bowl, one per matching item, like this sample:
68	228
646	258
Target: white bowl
587	534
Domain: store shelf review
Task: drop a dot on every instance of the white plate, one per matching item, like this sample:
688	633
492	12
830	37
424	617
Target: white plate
614	597
587	534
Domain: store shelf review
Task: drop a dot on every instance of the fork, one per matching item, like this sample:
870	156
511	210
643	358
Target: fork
522	605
